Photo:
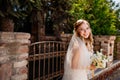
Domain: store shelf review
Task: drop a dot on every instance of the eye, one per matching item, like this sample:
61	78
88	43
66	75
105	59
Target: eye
88	28
81	29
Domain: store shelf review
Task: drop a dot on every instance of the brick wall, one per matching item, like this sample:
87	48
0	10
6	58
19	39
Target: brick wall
100	42
13	54
107	44
104	42
117	48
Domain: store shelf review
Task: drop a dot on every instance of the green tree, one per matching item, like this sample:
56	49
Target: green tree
13	12
49	15
9	10
116	8
59	15
98	13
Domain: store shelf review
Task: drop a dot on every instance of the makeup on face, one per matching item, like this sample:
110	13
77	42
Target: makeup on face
84	30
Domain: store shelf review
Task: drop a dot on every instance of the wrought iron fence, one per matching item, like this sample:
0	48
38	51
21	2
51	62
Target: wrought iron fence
46	60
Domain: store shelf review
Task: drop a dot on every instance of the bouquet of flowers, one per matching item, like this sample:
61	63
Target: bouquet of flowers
99	59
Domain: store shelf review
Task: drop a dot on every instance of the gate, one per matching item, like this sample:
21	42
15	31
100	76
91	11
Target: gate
46	60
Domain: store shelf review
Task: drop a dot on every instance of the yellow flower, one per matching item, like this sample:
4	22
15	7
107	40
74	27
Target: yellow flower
99	59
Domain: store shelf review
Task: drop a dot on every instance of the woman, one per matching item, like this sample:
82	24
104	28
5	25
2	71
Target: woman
77	61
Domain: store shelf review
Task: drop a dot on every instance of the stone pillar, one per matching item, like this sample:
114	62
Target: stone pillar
13	54
106	43
117	48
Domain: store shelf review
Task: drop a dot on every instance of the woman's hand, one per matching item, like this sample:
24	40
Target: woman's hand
92	67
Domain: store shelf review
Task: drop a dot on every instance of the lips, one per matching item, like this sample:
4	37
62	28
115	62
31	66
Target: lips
85	35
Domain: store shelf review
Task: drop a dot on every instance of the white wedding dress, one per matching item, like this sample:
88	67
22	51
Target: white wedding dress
84	62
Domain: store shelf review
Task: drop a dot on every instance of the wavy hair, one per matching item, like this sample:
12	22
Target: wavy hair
89	40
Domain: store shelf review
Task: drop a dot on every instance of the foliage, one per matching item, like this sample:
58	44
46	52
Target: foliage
116	8
27	7
18	10
98	13
9	8
59	14
53	11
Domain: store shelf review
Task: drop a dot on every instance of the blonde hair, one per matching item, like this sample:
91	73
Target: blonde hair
89	40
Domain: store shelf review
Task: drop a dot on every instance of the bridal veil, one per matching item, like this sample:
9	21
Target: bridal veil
80	73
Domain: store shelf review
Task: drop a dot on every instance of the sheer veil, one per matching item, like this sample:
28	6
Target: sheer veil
84	60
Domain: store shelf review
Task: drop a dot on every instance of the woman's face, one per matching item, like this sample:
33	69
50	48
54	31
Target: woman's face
84	30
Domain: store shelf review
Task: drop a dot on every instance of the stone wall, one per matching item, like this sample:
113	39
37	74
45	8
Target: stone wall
100	42
13	55
107	44
104	42
117	48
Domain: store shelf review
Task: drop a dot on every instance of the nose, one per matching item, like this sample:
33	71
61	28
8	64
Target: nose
85	30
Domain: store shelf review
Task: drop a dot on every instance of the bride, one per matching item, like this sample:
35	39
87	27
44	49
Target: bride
77	61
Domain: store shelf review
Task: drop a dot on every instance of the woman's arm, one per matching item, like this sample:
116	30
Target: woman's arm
75	57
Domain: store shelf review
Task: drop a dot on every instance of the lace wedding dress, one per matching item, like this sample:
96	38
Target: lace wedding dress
84	61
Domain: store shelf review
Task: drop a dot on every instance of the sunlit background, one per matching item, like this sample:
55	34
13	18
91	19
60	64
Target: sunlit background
117	1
